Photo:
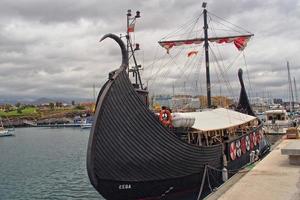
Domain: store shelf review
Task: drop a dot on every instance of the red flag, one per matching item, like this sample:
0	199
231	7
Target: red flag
131	27
240	43
192	53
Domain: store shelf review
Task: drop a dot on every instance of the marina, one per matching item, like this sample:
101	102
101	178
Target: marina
213	114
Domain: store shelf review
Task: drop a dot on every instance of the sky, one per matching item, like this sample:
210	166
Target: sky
51	48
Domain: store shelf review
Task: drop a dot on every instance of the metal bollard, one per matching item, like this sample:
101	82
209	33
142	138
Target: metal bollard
224	174
252	156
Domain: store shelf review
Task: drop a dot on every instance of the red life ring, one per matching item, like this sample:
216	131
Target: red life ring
238	148
165	117
232	151
243	145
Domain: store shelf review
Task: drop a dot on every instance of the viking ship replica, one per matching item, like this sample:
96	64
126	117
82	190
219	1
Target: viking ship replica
135	154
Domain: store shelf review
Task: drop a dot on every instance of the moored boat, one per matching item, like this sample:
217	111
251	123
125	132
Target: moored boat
277	122
135	154
4	132
87	122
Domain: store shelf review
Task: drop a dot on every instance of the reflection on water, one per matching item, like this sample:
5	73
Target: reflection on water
44	163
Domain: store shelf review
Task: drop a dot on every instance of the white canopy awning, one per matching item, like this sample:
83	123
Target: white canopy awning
219	118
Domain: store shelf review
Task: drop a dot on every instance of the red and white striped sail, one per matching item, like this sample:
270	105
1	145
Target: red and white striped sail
239	41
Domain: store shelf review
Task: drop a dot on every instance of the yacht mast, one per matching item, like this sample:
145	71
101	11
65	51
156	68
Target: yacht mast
290	88
295	87
94	92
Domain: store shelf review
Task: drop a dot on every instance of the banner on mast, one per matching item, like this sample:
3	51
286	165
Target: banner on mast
240	42
131	27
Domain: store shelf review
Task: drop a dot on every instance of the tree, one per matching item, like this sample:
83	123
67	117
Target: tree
80	107
58	104
18	104
7	107
19	110
73	103
51	105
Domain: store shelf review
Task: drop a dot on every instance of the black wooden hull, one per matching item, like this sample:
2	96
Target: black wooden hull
135	158
177	188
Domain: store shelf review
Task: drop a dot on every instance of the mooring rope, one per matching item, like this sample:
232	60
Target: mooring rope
202	183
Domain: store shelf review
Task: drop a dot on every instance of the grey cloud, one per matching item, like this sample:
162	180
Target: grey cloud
47	11
51	48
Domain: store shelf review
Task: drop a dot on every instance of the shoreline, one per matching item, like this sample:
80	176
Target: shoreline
57	119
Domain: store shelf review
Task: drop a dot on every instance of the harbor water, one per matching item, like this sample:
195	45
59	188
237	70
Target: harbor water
45	163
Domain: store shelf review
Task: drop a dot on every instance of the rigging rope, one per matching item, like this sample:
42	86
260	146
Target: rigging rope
223	74
251	90
222	68
162	67
189	29
202	183
229	23
188	23
173	58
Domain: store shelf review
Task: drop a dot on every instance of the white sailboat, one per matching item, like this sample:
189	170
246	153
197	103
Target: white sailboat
4	132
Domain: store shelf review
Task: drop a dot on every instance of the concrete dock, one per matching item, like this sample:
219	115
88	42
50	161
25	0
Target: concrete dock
274	178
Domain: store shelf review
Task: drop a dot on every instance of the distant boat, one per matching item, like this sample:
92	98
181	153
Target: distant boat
87	122
83	122
86	126
4	132
277	122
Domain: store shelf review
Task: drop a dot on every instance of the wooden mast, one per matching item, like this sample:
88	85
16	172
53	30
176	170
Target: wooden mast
206	47
290	88
295	88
